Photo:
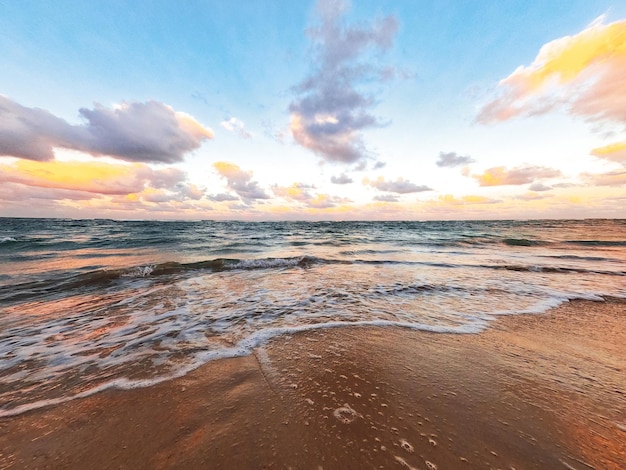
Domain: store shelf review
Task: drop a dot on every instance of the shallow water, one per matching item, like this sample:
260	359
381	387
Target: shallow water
90	304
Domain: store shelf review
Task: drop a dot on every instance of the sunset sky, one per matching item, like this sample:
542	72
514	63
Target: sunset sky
327	110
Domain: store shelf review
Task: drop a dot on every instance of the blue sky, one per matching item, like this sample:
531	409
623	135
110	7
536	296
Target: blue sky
290	98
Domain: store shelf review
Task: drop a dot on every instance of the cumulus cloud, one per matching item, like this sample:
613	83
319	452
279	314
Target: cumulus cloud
501	176
341	179
399	186
329	111
301	193
295	192
240	182
583	73
190	191
136	132
237	127
166	177
452	159
326	201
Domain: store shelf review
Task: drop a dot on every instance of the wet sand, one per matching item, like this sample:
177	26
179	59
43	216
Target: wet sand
534	391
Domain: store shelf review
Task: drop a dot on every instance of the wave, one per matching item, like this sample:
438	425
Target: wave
607	243
522	242
553	269
581	258
104	277
245	347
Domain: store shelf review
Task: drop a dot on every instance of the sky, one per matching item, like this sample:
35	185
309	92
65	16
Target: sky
313	110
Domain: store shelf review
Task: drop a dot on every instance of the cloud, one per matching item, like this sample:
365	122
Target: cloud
341	179
325	201
329	113
538	187
190	191
500	176
531	197
379	165
92	177
221	197
20	192
614	152
237	127
583	73
97	179
452	159
612	178
295	192
166	177
300	192
386	198
399	186
136	132
449	199
240	182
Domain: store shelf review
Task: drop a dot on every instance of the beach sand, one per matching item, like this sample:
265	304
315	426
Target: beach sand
533	391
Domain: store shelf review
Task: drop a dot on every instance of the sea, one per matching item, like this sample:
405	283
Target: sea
88	305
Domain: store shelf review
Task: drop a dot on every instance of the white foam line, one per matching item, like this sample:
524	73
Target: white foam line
244	348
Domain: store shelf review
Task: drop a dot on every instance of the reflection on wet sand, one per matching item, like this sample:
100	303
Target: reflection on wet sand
544	391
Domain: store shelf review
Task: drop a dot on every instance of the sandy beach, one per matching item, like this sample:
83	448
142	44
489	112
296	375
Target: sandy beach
533	391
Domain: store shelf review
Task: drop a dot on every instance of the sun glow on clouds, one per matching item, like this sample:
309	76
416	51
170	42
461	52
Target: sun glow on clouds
118	186
585	71
92	177
113	161
500	176
584	75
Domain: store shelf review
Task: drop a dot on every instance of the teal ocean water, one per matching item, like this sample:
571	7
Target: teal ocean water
87	305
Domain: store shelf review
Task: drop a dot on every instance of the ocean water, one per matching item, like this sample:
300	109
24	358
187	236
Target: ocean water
87	305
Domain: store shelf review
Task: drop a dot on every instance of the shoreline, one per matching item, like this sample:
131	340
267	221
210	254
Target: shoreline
532	391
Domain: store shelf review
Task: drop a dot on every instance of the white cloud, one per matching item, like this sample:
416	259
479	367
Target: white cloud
237	127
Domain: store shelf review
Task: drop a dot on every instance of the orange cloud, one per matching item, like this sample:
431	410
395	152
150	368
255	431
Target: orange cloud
612	178
296	192
615	152
585	71
93	177
500	176
449	199
83	180
240	181
300	192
